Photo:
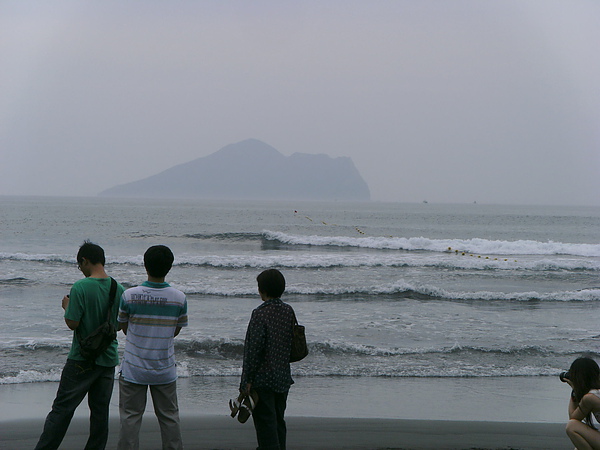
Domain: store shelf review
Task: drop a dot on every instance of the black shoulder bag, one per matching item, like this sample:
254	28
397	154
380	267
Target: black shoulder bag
100	339
299	347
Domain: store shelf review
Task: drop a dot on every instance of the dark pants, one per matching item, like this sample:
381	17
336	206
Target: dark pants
78	379
268	419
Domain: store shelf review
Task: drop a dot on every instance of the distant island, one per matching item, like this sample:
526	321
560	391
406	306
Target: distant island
251	169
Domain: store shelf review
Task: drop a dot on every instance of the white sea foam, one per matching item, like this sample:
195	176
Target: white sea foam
402	289
447	260
333	357
333	369
480	246
183	370
467	259
31	376
416	371
40	257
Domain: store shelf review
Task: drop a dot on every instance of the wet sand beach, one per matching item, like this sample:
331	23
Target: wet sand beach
522	413
222	432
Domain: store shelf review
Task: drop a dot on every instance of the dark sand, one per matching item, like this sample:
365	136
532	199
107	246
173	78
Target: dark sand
469	414
223	432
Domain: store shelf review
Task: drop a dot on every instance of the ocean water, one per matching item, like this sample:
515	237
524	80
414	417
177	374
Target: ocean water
386	291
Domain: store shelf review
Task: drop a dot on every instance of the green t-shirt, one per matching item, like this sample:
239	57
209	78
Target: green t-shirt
88	305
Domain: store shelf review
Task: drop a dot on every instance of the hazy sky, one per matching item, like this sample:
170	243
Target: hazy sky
445	101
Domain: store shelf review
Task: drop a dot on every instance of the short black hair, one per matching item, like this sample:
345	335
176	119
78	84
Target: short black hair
92	252
271	282
158	260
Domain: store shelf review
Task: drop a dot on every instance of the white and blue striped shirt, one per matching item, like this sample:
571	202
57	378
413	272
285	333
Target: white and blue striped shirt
152	312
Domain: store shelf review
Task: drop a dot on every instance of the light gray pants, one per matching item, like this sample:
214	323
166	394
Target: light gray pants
132	404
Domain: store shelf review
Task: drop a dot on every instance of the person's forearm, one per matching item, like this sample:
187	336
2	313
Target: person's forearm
572	408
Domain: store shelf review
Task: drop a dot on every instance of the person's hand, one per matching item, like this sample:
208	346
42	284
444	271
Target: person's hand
65	302
247	390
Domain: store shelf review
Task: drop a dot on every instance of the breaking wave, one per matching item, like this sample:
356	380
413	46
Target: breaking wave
303	260
480	246
214	357
401	291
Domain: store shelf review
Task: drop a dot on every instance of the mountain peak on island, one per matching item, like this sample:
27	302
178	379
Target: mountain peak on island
252	169
247	147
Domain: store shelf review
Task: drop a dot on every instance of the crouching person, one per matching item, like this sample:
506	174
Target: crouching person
584	378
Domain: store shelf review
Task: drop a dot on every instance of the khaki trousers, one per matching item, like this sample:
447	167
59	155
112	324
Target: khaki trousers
132	404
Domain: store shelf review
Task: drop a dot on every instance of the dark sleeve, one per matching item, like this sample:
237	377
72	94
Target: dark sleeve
254	348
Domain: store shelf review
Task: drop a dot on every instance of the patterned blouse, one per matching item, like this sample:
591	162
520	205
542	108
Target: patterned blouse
267	347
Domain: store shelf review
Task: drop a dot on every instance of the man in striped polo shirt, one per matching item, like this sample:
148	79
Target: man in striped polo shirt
151	315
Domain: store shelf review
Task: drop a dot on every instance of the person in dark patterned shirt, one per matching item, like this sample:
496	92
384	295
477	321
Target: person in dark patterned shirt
266	367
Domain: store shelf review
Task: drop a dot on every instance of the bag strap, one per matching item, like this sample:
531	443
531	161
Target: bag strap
111	298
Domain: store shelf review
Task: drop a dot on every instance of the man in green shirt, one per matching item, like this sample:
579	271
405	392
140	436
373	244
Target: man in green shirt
85	309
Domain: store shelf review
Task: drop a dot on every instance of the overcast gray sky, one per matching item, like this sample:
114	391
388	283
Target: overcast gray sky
445	101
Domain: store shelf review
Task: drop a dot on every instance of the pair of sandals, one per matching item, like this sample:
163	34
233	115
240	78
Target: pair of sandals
243	406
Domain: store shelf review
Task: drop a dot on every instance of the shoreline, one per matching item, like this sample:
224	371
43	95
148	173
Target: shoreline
332	413
508	399
316	433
